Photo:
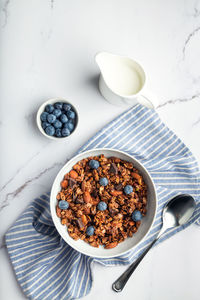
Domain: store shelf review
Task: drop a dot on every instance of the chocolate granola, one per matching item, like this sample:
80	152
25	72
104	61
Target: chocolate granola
82	190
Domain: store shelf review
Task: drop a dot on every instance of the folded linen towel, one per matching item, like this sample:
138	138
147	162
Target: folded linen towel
45	266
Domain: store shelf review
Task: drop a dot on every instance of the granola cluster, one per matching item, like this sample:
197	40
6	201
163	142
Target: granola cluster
83	192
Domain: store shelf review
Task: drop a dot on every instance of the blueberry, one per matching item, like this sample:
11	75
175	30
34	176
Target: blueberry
49	108
65	132
58	105
66	106
57	112
63	118
58	132
50	130
69	125
102	206
63	204
136	216
90	230
45	124
71	114
128	189
51	118
103	181
43	116
94	164
57	124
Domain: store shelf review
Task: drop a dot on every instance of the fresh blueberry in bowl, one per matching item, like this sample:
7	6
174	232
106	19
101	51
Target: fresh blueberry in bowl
43	116
57	124
71	114
69	125
65	132
51	118
49	108
50	130
57	112
45	124
58	105
57	118
63	118
66	106
58	132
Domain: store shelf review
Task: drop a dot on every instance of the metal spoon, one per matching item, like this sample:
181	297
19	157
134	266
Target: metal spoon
176	213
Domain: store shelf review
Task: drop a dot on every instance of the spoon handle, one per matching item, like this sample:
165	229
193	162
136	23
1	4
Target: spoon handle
120	283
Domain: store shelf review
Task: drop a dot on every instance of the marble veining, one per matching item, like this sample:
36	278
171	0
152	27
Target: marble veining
9	196
179	100
196	13
21	168
196	122
52	4
5	12
46	35
188	39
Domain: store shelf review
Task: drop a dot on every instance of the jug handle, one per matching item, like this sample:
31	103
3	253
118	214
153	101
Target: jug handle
148	99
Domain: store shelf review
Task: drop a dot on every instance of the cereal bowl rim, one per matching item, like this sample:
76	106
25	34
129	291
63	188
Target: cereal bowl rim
41	110
82	246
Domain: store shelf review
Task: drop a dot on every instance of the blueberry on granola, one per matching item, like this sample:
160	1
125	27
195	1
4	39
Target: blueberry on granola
128	189
102	206
90	230
94	164
136	216
103	181
63	204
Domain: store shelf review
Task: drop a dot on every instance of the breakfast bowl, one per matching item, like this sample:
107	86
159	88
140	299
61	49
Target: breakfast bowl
130	242
64	119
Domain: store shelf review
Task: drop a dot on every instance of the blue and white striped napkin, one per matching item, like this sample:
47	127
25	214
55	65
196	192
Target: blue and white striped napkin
45	266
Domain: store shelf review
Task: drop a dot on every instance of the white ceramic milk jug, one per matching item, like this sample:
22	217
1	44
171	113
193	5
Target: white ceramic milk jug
122	81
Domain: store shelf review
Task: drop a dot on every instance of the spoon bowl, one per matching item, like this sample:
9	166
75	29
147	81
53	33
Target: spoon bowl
178	211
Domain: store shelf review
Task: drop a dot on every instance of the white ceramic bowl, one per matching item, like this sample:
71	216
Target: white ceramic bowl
41	110
129	243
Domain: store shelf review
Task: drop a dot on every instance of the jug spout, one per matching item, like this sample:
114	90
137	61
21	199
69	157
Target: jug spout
102	59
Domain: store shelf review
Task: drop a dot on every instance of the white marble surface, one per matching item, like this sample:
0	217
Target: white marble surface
47	49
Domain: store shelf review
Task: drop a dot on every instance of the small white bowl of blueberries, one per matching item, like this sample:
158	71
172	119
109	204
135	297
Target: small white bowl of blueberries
57	118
